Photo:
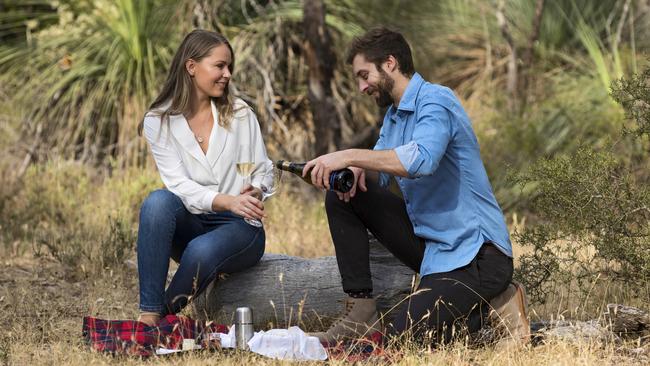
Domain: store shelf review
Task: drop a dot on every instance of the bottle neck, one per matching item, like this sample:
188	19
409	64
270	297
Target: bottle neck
295	168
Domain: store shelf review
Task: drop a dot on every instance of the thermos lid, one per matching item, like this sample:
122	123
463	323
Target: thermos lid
243	315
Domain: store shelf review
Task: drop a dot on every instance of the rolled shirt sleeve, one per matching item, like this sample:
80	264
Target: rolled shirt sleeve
172	171
421	155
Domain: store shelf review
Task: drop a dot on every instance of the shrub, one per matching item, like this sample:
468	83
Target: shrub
562	118
594	220
634	95
594	211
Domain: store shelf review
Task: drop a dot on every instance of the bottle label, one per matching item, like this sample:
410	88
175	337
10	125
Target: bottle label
333	181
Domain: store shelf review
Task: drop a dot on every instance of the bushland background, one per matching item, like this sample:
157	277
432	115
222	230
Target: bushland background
557	90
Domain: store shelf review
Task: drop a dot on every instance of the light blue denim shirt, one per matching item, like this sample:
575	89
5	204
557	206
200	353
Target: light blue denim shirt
447	192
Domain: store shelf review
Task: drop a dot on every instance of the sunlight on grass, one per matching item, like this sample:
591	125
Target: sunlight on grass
297	226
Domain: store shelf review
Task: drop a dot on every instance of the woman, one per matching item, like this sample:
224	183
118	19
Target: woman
195	130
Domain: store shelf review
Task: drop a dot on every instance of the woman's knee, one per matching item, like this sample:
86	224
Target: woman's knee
229	254
159	201
250	248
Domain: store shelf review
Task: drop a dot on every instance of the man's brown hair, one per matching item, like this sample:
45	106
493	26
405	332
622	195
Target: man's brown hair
379	43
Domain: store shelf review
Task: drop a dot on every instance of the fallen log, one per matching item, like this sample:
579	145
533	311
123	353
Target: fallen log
284	290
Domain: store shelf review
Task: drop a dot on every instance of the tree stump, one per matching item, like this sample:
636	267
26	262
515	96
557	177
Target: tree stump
285	290
627	320
619	322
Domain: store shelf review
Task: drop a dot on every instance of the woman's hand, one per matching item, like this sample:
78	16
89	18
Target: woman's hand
247	206
252	191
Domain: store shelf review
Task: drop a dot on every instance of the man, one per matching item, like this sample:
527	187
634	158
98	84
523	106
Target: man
431	205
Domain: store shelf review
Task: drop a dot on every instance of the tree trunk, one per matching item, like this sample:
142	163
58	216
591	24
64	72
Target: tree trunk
511	81
527	60
322	61
285	290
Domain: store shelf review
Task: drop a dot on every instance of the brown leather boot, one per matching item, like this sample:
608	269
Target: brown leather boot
359	320
509	314
149	318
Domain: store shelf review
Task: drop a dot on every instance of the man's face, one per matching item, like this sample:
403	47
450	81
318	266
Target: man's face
372	81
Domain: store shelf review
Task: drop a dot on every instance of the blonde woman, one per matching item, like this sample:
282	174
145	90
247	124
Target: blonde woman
196	131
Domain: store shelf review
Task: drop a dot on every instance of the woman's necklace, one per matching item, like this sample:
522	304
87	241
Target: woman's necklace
198	137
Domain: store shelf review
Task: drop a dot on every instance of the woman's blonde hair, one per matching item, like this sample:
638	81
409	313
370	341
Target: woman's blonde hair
178	86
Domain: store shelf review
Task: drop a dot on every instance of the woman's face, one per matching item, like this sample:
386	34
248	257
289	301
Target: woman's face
212	74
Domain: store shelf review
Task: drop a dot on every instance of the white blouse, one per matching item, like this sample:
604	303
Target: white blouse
196	177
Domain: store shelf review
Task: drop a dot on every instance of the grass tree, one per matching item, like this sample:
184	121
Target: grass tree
84	82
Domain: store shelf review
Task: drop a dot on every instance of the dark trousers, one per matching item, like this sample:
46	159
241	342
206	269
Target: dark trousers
443	303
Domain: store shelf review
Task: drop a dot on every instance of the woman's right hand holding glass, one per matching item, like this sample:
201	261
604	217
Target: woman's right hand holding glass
247	206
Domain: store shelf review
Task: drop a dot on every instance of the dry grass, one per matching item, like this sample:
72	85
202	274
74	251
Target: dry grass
553	354
42	310
296	223
42	301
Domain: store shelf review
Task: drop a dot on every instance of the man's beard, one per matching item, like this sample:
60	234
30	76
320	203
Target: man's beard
384	87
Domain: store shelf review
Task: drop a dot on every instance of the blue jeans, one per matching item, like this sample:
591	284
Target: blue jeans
204	245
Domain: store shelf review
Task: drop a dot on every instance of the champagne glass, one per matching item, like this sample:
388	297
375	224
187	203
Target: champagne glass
269	187
271	183
245	166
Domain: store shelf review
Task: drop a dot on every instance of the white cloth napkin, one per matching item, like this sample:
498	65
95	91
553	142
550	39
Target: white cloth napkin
287	344
227	340
283	344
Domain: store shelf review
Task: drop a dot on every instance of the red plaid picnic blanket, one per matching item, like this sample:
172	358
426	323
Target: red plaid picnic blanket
369	348
131	337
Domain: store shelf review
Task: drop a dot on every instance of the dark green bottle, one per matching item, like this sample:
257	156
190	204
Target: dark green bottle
340	180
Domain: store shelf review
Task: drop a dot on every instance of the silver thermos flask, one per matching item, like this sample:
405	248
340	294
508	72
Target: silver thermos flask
243	326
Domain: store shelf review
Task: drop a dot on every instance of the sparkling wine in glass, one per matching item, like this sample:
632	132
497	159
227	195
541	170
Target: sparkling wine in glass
245	166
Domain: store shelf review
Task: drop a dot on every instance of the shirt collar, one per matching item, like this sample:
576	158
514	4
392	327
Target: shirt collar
407	103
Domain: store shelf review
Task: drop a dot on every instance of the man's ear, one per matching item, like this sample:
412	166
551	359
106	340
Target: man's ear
390	64
190	66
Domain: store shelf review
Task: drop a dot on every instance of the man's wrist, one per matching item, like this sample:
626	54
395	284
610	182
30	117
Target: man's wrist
348	157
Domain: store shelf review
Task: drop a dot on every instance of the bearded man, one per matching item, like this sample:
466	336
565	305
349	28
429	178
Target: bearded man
431	205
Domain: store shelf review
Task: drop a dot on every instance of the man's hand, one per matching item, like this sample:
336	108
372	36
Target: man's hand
359	181
322	167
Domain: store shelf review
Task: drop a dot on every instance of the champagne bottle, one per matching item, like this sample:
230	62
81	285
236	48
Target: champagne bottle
340	180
